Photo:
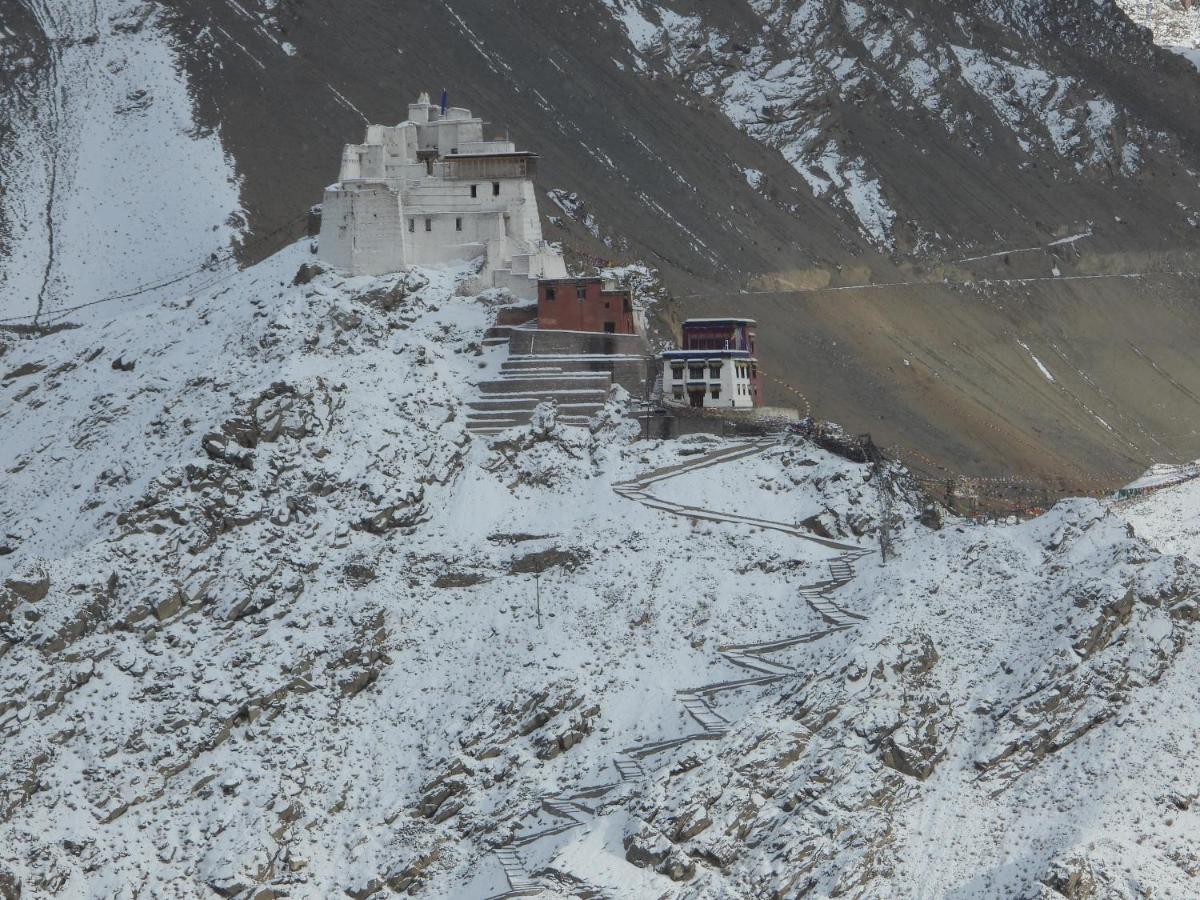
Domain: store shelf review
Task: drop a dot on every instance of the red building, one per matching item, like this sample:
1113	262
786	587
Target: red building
719	334
584	304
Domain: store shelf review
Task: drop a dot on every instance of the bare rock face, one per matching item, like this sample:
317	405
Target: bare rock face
1081	877
31	585
577	728
913	749
409	877
10	886
819	525
931	517
648	848
306	273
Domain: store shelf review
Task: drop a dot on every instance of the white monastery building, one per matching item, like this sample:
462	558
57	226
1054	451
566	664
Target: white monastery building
716	369
431	190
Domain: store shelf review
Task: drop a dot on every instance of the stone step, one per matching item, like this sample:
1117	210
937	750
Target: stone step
773	646
576	364
628	768
554	375
737	684
496	426
521	418
503	403
548	386
670	744
757	663
525	839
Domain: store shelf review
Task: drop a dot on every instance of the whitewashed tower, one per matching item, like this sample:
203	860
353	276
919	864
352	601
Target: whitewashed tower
431	190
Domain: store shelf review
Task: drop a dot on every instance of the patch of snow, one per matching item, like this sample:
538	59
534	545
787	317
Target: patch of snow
754	177
1037	362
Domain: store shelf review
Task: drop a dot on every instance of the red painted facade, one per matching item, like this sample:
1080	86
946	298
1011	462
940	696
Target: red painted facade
583	304
719	334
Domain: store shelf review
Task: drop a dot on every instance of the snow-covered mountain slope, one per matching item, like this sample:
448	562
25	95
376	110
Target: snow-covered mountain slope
1168	519
270	627
109	183
793	83
899	192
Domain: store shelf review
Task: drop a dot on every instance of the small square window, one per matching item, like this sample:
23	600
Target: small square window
495	189
715	391
458	224
412	225
677	393
474	190
549	293
429	224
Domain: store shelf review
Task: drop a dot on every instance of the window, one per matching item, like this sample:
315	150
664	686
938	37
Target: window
677	371
610	327
474	190
581	292
549	293
626	304
715	391
412	225
453	150
696	373
495	189
714	370
458	224
677	393
429	224
606	304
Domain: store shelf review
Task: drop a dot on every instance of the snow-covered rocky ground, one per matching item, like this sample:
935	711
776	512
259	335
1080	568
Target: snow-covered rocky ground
109	184
1174	23
1168	519
269	628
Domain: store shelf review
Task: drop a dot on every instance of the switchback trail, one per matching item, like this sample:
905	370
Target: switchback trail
574	808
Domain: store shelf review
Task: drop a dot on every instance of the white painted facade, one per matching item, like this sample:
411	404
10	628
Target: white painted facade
722	377
431	190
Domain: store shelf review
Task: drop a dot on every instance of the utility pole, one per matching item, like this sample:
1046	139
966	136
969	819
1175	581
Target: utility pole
537	588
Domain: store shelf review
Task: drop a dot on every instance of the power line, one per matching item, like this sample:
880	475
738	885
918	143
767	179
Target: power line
212	264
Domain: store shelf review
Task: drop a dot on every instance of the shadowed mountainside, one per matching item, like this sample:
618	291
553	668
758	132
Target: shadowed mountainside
795	148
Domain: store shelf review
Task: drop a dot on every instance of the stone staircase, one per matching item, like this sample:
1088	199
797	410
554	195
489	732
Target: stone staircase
576	370
634	763
519	881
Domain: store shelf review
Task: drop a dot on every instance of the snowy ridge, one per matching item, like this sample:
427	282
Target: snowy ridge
269	621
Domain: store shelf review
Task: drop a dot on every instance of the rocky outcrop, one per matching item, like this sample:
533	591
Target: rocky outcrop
31	586
646	848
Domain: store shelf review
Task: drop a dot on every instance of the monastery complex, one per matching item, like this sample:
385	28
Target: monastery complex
431	191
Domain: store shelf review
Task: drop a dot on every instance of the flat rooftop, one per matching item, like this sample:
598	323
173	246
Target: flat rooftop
721	321
706	354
